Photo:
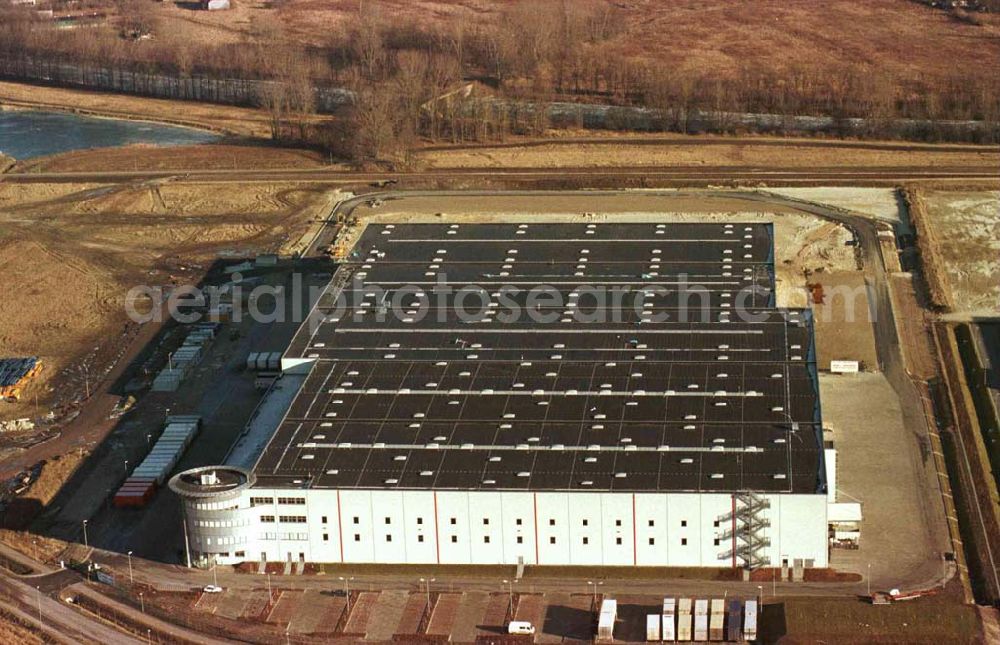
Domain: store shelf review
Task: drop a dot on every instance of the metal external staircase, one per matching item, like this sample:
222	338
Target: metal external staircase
748	523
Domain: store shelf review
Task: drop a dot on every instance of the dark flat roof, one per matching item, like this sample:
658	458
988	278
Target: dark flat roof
433	368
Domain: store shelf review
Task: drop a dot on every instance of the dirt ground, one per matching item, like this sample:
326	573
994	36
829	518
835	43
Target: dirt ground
708	151
967	228
243	122
843	320
71	253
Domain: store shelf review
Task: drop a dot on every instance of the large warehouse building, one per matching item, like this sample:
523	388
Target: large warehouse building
649	406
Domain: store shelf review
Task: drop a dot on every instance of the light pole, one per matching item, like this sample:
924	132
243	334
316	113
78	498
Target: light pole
869	578
347	590
85	544
38	592
131	580
270	596
142	603
427	588
149	638
760	594
215	574
595	585
510	593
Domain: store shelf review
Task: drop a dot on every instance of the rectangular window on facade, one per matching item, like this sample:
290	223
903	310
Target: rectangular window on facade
586	522
618	522
453	521
357	537
652	541
292	519
388	538
684	523
684	541
267	519
420	520
716	541
552	522
486	539
618	541
651	523
518	521
520	540
420	538
241	554
388	520
292	500
715	523
454	538
552	540
261	501
486	521
586	540
324	519
356	520
326	537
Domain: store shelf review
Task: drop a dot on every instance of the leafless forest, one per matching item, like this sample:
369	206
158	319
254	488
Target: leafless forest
467	79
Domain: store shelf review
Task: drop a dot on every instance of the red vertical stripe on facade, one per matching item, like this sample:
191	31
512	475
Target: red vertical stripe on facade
534	498
340	528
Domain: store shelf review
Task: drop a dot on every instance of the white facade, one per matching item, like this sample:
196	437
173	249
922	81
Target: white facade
493	527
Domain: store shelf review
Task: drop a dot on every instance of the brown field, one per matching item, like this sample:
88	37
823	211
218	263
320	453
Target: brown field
70	254
897	36
678	150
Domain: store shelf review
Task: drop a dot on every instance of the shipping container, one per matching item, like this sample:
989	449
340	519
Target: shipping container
717	619
734	621
701	619
750	620
262	361
684	619
653	628
606	620
669	619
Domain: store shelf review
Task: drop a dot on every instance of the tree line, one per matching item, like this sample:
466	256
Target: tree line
412	81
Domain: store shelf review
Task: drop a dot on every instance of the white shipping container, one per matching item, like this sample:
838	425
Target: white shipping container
653	628
701	619
750	620
606	620
667	623
717	620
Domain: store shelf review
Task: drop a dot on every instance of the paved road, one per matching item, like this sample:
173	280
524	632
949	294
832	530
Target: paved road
883	176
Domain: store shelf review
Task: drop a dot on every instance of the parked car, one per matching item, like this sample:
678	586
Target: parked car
212	589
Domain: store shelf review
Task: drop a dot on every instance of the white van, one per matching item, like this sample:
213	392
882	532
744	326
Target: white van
520	627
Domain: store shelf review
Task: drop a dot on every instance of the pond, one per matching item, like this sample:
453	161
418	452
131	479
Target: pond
30	133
